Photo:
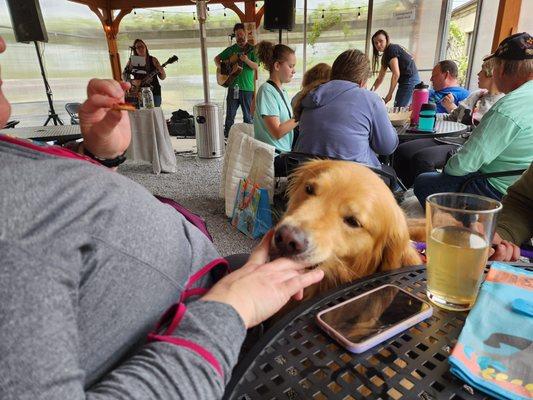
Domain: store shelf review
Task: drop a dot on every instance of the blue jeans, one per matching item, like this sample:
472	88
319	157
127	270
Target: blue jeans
404	93
437	182
245	101
157	100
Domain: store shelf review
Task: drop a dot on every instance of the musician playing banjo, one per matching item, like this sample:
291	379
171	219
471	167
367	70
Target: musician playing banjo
241	89
152	64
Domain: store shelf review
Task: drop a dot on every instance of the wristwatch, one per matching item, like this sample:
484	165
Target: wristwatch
106	162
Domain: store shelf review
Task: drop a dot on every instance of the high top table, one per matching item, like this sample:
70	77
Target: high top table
295	359
443	128
150	140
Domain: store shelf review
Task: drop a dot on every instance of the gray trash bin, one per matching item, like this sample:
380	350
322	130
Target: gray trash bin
209	136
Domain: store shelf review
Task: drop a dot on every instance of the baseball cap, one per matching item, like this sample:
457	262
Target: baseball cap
515	47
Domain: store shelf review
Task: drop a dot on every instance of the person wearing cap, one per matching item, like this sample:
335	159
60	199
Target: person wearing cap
503	140
415	157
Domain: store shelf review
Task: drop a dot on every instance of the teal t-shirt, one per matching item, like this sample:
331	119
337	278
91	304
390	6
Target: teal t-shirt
269	103
245	79
502	141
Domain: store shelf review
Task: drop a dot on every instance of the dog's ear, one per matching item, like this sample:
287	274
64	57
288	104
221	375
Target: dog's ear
398	251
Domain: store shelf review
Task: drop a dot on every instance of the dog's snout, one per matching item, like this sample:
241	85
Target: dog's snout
290	240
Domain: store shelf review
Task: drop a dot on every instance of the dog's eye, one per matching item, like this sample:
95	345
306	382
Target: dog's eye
309	189
352	222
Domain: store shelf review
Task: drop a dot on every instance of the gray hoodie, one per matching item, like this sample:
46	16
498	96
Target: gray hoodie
89	261
342	120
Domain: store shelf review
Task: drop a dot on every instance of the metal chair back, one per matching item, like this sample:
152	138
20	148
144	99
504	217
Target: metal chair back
72	110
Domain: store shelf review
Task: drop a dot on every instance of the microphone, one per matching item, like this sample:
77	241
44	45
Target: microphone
231	35
132	47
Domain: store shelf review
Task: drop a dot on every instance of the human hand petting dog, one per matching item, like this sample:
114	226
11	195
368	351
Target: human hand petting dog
259	289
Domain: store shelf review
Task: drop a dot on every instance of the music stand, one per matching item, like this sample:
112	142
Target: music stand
52	115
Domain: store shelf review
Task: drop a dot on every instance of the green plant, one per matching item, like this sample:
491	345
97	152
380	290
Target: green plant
456	50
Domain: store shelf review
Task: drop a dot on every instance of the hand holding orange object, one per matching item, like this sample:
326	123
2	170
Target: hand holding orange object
106	132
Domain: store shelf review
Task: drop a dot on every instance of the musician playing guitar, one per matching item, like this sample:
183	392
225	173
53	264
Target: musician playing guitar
244	80
140	49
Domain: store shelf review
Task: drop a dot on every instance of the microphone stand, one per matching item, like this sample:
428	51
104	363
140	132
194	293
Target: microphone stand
52	115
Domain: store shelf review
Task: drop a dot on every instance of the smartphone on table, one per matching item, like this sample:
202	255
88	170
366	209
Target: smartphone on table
373	317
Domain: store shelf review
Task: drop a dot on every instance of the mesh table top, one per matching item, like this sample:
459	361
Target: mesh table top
443	128
45	133
295	359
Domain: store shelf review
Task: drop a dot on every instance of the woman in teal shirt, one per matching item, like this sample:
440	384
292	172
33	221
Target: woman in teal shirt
273	119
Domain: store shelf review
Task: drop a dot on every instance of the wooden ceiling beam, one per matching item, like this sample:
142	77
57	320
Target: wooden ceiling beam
506	21
123	4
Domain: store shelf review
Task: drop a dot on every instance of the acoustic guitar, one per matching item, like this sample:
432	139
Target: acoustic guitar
231	68
137	84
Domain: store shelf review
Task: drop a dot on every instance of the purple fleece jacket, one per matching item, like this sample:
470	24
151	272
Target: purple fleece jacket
342	120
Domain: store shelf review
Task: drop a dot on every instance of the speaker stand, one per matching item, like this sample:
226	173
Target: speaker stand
52	115
279	39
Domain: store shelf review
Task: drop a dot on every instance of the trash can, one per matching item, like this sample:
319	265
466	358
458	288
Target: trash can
209	136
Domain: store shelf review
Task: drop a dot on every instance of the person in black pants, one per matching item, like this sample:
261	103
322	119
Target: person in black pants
402	65
422	155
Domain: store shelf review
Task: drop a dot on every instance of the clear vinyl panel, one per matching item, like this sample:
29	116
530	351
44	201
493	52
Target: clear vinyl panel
413	25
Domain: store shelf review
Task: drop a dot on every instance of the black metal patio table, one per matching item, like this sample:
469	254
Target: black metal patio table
59	133
295	359
443	129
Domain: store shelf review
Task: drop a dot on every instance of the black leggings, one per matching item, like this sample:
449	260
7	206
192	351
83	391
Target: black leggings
417	156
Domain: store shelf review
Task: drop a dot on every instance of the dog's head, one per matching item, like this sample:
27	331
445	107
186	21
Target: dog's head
343	217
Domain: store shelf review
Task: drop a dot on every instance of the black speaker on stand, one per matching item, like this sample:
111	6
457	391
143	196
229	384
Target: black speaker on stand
28	26
279	15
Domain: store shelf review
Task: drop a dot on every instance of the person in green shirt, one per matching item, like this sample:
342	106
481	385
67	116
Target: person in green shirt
503	140
241	91
273	116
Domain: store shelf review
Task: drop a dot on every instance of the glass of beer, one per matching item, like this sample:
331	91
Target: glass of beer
460	228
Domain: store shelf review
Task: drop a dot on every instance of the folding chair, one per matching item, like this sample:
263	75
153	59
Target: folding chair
72	110
490	175
293	160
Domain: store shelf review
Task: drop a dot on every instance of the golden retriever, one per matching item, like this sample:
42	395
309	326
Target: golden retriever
342	217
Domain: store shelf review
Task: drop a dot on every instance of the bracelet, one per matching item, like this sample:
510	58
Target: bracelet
106	162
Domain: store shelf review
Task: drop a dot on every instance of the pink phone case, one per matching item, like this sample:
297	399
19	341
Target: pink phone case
380	337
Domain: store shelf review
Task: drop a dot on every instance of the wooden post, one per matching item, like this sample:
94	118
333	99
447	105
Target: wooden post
506	21
111	27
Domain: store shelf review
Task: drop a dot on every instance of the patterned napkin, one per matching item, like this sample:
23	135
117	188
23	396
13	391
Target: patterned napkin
494	352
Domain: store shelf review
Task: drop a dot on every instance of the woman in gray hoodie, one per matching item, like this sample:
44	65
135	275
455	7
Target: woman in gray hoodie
341	118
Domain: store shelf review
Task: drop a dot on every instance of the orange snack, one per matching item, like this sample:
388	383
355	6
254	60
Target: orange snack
123	106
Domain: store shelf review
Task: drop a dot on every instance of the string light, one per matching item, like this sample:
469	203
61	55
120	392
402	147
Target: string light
163	15
322	11
194	16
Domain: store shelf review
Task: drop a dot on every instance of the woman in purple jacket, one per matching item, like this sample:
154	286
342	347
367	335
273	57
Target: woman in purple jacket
342	119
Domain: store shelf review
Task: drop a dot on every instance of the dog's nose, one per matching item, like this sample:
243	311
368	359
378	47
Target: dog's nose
290	240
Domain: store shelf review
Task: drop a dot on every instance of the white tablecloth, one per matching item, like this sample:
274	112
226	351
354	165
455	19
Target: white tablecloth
150	140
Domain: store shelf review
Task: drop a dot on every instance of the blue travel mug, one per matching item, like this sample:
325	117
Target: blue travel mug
427	118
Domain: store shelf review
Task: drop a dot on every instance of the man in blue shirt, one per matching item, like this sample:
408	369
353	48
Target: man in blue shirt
444	79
